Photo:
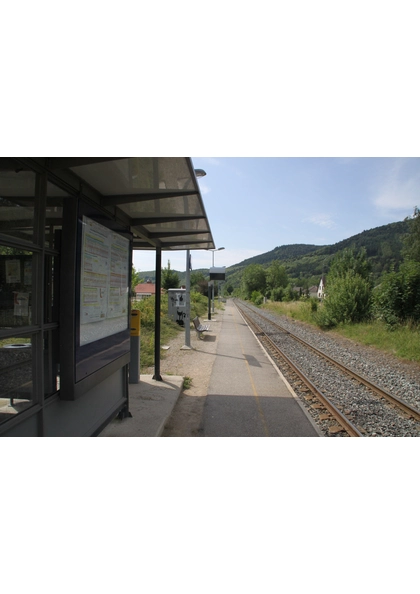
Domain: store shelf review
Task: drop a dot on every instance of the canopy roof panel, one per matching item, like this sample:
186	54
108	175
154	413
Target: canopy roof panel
160	195
157	197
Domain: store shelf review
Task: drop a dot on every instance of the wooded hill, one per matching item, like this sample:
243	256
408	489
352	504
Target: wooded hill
303	261
383	247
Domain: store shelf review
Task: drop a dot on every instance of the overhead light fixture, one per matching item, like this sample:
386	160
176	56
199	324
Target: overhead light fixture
199	173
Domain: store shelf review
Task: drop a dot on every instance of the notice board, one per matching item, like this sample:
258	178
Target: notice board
104	282
94	295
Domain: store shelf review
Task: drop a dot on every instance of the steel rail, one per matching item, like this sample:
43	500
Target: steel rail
394	400
333	410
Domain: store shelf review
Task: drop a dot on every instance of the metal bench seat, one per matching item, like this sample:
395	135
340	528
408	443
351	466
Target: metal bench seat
199	327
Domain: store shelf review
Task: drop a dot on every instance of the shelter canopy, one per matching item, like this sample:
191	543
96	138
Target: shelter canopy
157	197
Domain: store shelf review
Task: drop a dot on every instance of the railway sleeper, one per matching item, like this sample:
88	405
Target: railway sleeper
334	429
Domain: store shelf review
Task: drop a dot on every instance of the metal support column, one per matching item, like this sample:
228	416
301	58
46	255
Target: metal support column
157	375
187	322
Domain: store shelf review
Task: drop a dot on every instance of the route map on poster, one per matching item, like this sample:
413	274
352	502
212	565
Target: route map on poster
104	289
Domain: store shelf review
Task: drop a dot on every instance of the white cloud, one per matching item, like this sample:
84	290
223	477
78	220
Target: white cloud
231	257
204	189
400	190
321	220
345	160
211	160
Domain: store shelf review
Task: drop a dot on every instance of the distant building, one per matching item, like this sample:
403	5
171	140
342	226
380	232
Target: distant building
321	288
144	290
305	292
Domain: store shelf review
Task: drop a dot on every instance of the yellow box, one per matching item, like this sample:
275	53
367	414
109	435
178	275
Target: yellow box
135	323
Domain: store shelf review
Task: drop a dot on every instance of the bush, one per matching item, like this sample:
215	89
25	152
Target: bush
199	304
147	312
277	294
313	301
324	318
257	298
397	298
169	328
348	300
290	294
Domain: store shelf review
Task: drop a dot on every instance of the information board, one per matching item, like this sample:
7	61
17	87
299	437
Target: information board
104	282
217	273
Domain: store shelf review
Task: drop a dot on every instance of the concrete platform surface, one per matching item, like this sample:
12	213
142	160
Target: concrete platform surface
151	404
247	395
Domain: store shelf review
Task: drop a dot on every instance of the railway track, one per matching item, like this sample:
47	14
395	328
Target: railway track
341	401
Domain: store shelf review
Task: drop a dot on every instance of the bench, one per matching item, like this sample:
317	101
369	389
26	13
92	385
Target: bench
199	327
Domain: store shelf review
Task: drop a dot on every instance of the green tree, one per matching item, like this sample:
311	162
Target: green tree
257	297
397	298
135	279
170	278
290	294
198	282
277	276
348	289
253	279
411	249
348	300
350	260
277	294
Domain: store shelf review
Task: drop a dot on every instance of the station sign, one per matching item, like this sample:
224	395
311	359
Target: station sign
218	273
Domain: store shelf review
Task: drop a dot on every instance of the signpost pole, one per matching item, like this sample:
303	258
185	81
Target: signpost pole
209	299
187	344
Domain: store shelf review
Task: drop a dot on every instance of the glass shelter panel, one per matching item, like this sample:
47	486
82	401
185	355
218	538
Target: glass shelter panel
15	287
54	215
134	174
51	349
16	368
123	176
17	201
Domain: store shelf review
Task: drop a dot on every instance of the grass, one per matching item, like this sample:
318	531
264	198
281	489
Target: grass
7	341
298	310
169	329
403	341
187	382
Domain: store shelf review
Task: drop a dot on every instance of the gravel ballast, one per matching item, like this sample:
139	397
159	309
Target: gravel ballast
371	414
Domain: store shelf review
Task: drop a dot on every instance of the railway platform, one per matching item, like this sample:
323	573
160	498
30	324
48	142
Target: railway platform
247	396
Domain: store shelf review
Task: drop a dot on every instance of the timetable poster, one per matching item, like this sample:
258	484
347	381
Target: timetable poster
104	286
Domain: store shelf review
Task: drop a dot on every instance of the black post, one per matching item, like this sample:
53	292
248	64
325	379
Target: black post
157	375
209	297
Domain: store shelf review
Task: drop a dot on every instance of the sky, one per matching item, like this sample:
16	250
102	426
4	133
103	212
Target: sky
288	94
257	204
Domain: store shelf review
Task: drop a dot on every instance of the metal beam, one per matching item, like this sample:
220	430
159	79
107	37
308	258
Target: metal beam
114	200
164	219
185	244
174	233
139	245
26	224
67	162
